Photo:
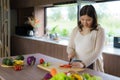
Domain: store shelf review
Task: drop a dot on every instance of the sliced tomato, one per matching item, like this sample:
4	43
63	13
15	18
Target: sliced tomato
66	66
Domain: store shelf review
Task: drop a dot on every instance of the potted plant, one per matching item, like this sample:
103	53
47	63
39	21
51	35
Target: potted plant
53	33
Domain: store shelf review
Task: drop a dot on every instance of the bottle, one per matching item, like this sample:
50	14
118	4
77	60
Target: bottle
31	33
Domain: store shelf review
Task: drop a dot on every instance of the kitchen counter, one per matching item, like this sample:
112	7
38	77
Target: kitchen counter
45	39
30	45
33	72
109	49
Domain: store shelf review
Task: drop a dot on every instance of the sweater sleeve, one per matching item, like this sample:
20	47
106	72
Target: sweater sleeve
71	45
99	44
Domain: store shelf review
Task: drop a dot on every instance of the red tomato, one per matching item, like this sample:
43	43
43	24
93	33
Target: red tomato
66	66
17	67
42	61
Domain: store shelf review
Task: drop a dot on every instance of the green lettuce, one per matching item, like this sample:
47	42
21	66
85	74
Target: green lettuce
87	76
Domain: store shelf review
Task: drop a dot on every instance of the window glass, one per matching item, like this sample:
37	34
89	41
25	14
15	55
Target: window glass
108	18
61	19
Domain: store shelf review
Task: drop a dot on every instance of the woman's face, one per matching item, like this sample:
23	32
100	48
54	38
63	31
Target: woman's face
86	21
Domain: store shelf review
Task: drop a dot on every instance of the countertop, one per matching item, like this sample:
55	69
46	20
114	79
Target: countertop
108	49
35	73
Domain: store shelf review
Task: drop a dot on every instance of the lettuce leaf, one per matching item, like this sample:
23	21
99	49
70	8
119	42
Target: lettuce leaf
87	76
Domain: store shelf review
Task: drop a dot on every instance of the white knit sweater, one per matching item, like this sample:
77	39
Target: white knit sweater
88	48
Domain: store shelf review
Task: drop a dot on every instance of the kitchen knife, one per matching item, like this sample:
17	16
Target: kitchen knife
77	60
70	61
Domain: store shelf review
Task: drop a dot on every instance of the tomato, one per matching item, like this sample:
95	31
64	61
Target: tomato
42	61
66	66
17	67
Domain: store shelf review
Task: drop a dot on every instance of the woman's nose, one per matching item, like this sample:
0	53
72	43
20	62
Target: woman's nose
85	22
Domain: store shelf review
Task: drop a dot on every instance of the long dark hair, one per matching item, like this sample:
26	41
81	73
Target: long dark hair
90	11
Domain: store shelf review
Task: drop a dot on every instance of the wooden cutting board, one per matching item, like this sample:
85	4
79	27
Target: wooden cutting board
2	65
58	68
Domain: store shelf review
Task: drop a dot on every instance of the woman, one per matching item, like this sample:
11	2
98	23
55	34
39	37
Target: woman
87	41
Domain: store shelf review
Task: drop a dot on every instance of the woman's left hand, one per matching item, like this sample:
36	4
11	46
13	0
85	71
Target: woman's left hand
77	64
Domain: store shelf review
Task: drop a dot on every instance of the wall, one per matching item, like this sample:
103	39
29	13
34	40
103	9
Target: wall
23	13
39	14
13	21
18	17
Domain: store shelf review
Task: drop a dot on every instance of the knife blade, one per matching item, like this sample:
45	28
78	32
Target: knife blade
70	61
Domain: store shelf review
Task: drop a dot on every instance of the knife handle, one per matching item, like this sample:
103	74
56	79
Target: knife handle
70	60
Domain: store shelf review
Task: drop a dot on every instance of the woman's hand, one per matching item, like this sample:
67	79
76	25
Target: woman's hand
77	64
70	56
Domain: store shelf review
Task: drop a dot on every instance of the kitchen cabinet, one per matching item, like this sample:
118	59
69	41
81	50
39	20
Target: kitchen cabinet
24	45
23	13
31	3
112	64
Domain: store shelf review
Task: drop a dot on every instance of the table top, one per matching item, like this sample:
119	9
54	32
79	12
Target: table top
35	73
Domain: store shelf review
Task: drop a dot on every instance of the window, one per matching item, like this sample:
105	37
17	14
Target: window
61	19
108	18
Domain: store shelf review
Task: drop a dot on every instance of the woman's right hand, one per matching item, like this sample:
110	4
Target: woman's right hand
70	56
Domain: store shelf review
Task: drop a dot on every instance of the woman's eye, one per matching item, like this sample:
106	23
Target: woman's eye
82	20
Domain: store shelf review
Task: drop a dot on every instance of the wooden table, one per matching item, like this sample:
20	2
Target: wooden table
35	73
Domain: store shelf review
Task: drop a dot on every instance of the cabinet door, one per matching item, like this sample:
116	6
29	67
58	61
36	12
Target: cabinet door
4	28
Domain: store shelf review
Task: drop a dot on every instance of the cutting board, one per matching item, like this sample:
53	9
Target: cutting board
58	68
2	65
